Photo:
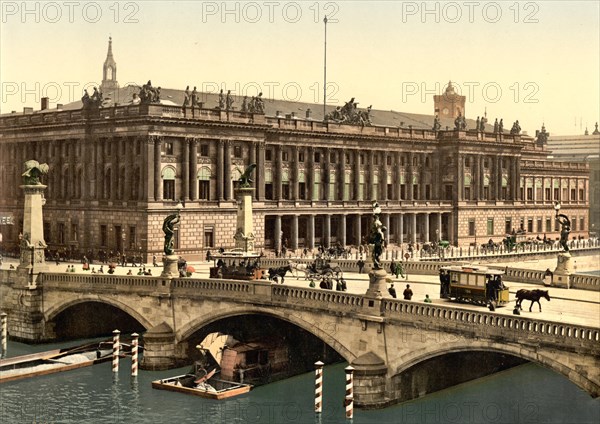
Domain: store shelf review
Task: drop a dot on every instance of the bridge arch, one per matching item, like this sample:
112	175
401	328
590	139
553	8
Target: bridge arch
55	310
325	331
573	373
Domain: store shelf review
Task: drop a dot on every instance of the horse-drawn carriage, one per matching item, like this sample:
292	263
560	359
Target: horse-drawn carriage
433	248
473	284
323	268
236	265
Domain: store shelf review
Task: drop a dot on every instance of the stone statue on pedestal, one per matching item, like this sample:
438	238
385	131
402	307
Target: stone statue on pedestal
33	171
169	229
244	179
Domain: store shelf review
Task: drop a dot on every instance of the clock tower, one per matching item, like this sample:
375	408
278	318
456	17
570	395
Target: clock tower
450	104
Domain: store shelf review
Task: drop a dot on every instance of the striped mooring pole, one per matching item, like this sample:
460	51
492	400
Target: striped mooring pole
134	354
4	334
349	392
319	387
115	355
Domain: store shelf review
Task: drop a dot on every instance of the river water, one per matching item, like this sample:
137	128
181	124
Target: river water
525	394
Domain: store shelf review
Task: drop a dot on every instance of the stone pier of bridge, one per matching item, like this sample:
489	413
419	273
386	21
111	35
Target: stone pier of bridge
399	349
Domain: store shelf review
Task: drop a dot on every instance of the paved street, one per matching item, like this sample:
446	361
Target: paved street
567	305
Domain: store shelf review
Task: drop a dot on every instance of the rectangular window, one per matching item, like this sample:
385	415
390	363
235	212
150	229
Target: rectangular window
269	191
486	192
556	194
416	191
47	232
574	224
581	195
204	150
402	160
508	225
490	226
467	193
529	193
556	225
547	194
103	236
548	225
317	157
390	192
169	189
285	191
347	159
538	194
403	191
448	192
168	148
389	160
268	155
471	227
61	233
237	151
74	232
573	194
539	225
522	224
530	225
581	224
204	189
132	238
362	158
376	159
301	157
565	194
209	238
302	191
285	156
428	192
332	157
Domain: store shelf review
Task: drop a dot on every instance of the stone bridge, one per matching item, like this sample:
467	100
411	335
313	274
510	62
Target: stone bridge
392	344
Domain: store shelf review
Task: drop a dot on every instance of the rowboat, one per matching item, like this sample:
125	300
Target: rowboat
54	361
209	388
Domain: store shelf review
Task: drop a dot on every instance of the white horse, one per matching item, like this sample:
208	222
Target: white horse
299	267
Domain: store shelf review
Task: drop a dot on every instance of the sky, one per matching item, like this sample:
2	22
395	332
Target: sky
535	61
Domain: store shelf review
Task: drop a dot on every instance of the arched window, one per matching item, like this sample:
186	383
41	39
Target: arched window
168	176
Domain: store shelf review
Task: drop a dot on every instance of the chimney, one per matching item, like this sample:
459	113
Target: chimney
45	103
27	110
59	106
308	113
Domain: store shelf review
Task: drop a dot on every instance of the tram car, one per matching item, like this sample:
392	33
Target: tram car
236	265
473	284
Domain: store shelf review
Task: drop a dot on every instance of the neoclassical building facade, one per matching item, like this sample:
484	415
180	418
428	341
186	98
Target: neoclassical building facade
116	173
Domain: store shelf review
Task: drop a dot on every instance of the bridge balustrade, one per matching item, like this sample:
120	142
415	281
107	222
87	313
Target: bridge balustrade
484	324
316	298
212	287
84	281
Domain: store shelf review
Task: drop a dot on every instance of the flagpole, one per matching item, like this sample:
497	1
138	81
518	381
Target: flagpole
325	72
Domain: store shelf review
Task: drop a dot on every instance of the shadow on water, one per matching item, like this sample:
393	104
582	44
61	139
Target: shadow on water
525	394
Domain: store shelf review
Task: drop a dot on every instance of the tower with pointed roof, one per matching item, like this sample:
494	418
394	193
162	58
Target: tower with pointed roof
109	72
450	104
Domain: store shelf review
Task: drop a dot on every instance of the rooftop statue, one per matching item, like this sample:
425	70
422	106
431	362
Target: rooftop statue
350	114
229	101
244	179
149	94
169	229
436	123
516	128
93	102
33	171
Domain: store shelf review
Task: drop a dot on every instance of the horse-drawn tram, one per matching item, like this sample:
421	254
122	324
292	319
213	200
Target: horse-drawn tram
236	265
473	284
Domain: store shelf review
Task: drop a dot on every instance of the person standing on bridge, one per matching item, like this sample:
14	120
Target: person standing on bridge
392	291
408	293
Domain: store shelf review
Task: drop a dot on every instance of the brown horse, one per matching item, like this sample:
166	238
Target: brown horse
533	295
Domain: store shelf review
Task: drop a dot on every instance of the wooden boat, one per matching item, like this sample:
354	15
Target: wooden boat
53	361
210	388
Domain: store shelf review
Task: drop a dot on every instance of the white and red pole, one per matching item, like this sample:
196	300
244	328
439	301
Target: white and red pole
134	354
349	392
4	334
319	387
115	354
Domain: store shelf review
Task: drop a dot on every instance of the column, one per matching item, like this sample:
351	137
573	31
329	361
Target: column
260	171
499	178
185	171
481	176
310	174
311	231
518	177
294	231
227	192
409	178
400	227
356	168
114	183
220	172
426	227
460	178
357	229
439	227
157	164
295	174
383	181
277	234
370	192
277	174
413	235
396	179
342	229
194	169
386	224
327	230
342	173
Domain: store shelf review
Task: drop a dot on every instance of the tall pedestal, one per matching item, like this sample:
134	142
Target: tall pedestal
170	269
563	271
244	235
33	246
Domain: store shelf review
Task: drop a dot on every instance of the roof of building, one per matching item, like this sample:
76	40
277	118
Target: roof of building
386	118
574	147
